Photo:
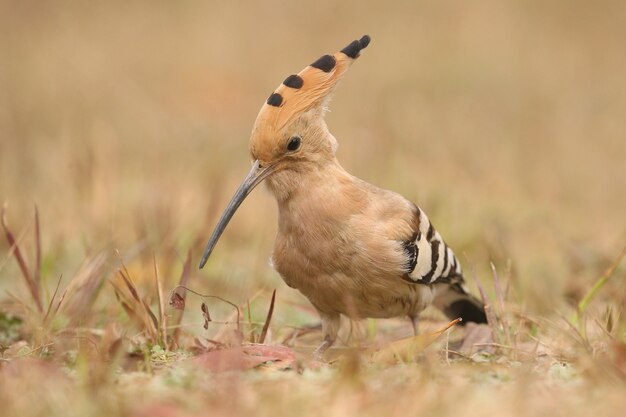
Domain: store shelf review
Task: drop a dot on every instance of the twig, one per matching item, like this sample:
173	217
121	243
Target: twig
154	328
33	350
584	303
211	296
163	319
127	308
9	254
456	352
250	321
56	310
32	285
45	318
37	248
268	319
447	346
500	296
491	318
508	274
493	344
497	287
581	337
184	278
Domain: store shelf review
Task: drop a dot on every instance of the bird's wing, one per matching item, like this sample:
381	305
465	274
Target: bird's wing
420	253
429	259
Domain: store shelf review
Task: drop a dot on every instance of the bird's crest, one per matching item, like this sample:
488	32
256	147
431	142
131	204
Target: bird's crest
308	89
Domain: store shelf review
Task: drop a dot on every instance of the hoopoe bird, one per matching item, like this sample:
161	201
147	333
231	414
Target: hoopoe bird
350	247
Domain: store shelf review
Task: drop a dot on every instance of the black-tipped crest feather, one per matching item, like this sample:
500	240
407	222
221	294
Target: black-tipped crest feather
275	100
294	81
325	63
355	47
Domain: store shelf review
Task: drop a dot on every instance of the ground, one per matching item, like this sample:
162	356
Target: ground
123	133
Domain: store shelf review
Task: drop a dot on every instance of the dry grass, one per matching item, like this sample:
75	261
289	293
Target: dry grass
127	126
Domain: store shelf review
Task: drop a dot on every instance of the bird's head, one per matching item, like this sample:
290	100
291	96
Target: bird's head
289	133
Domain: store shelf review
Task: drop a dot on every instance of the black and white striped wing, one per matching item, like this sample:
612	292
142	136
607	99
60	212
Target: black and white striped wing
430	260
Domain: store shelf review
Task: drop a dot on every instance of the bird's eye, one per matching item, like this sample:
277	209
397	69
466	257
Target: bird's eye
294	143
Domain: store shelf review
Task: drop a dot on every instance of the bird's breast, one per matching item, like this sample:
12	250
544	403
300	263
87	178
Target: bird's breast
336	267
303	252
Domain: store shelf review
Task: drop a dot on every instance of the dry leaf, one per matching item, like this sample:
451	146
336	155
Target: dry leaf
478	338
178	318
206	315
281	353
177	301
406	350
242	358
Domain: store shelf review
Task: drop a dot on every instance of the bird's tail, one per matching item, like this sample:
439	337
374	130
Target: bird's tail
455	301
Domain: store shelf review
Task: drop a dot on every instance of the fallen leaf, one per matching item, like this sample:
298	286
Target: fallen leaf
246	357
406	350
177	301
281	353
477	334
159	410
206	315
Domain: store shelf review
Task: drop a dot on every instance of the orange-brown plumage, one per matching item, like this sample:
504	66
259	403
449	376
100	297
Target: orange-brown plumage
350	247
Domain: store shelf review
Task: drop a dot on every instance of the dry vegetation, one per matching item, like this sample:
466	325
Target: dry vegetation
127	125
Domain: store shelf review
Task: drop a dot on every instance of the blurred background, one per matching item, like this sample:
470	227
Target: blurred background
127	123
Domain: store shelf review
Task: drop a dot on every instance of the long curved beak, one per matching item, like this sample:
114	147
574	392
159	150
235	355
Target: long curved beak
255	176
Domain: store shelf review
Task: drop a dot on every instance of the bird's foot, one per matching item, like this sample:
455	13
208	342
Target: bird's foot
318	353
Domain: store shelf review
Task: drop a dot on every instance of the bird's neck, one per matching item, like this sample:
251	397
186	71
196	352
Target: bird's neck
316	201
306	179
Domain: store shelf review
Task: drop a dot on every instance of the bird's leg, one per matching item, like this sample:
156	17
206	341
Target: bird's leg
414	322
330	328
318	353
